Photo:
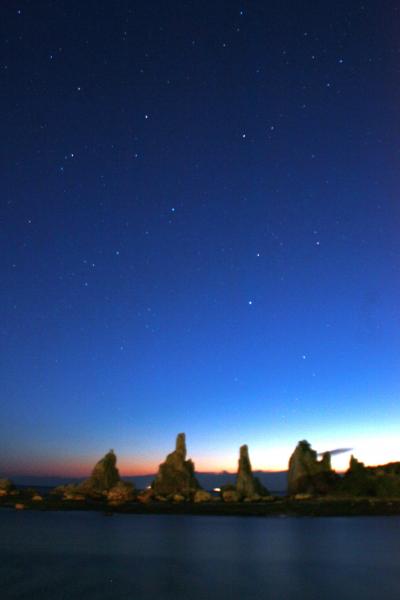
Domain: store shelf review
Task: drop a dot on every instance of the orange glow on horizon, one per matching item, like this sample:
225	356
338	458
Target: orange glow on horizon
372	450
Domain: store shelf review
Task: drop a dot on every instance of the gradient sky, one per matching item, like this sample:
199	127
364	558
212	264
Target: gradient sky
199	217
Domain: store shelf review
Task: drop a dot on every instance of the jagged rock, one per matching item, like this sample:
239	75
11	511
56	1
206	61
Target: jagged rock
326	462
230	496
121	492
6	487
105	474
202	496
176	474
358	480
382	481
248	486
104	477
356	466
308	475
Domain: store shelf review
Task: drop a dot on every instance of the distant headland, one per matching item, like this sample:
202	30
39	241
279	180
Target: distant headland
314	488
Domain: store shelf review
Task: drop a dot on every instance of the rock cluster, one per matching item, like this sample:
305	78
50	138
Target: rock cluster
176	475
121	492
378	482
307	474
175	482
248	486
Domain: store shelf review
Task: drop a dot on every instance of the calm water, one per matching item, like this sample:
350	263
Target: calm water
86	555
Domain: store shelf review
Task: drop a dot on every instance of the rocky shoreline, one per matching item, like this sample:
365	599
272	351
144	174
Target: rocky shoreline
314	489
275	507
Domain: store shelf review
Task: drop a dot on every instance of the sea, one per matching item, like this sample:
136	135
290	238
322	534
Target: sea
88	555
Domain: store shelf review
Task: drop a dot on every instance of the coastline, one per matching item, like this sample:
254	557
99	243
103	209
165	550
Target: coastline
278	507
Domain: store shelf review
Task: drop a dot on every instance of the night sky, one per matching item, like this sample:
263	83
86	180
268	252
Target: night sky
200	218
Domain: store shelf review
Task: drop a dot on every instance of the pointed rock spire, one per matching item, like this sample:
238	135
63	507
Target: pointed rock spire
248	486
105	473
180	446
176	474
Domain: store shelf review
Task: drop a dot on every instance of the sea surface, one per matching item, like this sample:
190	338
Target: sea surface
68	555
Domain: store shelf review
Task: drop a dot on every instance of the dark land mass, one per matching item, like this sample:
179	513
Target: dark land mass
275	507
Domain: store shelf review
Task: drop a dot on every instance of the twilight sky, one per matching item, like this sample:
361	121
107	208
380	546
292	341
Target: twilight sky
199	219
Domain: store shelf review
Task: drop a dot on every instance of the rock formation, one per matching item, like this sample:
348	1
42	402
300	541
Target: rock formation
248	486
308	475
105	473
176	474
104	476
380	482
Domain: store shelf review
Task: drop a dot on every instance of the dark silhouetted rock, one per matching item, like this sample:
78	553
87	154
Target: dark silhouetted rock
176	474
380	482
105	473
308	475
104	477
248	486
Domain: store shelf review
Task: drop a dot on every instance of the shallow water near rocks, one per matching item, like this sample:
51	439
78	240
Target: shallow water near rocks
67	555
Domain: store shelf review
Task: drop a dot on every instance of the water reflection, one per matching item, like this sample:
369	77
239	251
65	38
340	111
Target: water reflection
68	555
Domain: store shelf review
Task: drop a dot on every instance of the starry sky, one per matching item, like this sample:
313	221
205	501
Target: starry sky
199	218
